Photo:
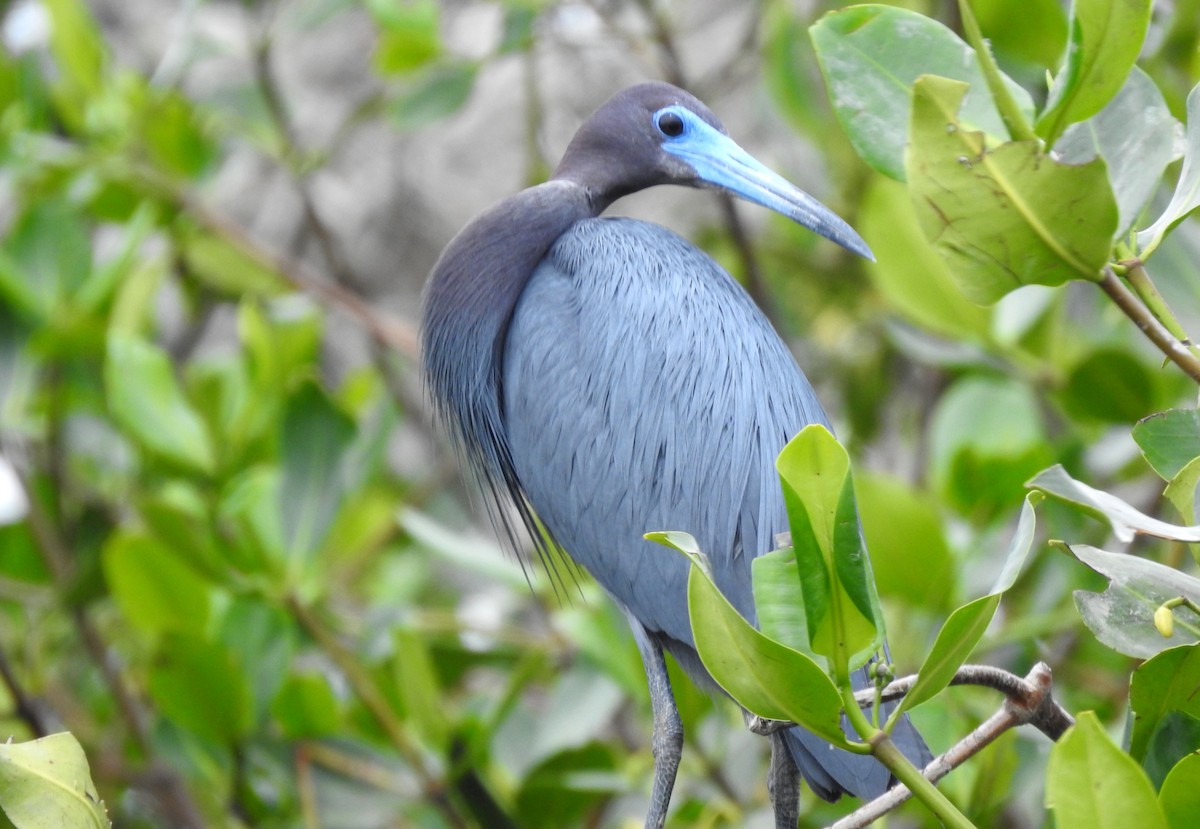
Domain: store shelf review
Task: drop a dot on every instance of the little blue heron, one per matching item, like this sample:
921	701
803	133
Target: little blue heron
607	379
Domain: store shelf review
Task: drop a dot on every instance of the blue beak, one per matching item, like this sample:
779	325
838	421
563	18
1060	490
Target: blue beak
722	164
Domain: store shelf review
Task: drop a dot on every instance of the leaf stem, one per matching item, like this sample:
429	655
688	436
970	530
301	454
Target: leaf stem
1139	279
902	768
1006	105
1170	345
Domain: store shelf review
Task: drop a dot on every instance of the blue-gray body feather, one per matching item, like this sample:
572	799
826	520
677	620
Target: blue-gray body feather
644	390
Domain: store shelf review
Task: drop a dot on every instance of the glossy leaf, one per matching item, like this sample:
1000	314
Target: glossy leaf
779	600
840	604
1122	617
1179	795
871	55
1104	41
1186	197
147	402
1166	682
1126	522
1035	35
46	784
1182	490
912	277
1091	782
1002	217
1135	134
1176	737
764	677
1170	440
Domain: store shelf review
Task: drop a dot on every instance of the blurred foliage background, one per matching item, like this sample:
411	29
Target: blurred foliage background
236	559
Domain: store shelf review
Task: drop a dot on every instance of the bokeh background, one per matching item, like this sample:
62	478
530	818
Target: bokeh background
237	558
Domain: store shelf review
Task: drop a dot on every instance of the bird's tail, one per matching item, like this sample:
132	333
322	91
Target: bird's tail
832	772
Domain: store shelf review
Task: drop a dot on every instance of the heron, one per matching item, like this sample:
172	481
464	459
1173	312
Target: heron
604	378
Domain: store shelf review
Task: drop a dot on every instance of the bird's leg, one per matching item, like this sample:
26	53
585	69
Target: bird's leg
667	739
783	784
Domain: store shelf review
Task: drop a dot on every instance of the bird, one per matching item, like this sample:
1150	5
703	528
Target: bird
604	378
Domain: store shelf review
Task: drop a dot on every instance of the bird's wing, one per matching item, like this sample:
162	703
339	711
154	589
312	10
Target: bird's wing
644	390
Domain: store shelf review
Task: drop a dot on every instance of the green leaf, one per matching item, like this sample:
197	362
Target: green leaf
1123	616
1186	197
421	696
226	266
46	257
779	600
282	338
986	439
178	139
1135	135
1177	736
409	38
904	533
306	707
434	94
1170	440
263	640
46	784
1036	35
1091	782
200	686
147	403
909	273
1126	522
763	676
314	445
1112	385
871	55
1181	491
80	54
1105	39
1179	796
249	514
155	589
841	606
1003	217
1166	682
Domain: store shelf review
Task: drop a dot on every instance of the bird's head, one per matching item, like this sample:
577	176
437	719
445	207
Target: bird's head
655	133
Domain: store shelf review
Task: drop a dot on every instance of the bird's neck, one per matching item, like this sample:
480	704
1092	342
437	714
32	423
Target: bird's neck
469	302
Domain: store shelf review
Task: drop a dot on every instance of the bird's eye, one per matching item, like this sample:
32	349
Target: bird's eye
670	124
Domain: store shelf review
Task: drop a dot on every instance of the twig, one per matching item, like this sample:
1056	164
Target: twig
1176	351
1029	701
1147	291
25	706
